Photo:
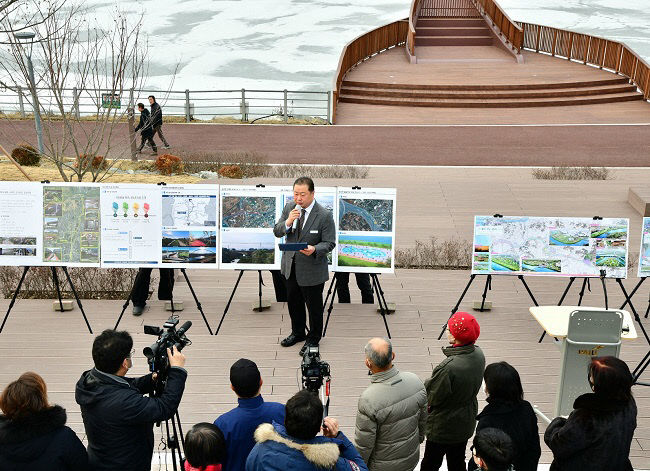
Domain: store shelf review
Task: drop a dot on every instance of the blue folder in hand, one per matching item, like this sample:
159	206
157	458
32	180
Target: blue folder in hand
292	247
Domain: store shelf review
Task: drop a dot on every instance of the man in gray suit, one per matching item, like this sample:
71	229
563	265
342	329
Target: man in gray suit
306	271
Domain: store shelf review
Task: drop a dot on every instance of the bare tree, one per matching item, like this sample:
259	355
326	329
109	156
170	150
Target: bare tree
81	62
17	15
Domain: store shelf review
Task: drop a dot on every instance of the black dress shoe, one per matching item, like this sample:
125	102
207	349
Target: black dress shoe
291	340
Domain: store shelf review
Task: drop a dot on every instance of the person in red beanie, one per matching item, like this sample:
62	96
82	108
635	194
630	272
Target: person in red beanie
451	395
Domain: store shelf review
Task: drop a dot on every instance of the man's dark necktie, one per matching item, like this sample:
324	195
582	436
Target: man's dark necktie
301	221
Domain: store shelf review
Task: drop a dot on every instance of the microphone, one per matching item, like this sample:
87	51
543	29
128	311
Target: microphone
295	221
184	328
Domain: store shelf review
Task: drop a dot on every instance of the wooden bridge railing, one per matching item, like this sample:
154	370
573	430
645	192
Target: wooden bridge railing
366	46
510	29
413	19
591	50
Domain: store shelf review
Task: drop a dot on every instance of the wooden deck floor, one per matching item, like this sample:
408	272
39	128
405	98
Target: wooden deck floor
460	65
58	346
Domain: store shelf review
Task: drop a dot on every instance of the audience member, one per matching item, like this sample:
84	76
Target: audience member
205	448
452	390
598	433
492	450
296	447
239	424
33	434
117	417
140	291
146	130
507	411
392	413
363	283
157	121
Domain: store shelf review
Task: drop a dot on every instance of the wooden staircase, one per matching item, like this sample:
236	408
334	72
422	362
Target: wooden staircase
452	31
490	96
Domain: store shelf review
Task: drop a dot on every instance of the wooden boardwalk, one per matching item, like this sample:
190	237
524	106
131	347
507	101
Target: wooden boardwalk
58	345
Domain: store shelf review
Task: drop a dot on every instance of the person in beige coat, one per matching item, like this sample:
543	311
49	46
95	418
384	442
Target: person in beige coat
392	413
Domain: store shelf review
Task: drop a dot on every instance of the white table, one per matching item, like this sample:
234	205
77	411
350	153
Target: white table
555	319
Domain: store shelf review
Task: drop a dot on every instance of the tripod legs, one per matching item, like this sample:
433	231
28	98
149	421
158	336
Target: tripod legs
55	277
13	298
196	299
453	311
334	283
126	303
76	297
566	291
232	295
383	306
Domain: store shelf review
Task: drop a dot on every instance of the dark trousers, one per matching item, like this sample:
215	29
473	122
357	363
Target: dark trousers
147	138
141	286
279	285
363	282
299	296
434	452
158	130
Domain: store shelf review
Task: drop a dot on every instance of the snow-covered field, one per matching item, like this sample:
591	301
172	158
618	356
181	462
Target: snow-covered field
295	44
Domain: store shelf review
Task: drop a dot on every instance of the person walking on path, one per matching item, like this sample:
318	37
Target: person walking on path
157	121
146	130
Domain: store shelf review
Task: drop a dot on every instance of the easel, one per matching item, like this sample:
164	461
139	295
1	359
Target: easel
645	361
260	307
171	293
383	306
55	278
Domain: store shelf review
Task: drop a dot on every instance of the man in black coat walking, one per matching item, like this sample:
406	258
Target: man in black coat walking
157	120
146	129
117	417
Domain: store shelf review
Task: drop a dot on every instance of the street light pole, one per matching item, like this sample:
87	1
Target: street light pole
29	36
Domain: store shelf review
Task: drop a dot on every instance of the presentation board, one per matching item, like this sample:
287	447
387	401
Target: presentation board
21	233
644	255
248	215
189	226
71	224
130	221
326	197
365	235
548	246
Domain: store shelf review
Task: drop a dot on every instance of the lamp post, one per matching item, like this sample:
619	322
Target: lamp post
28	36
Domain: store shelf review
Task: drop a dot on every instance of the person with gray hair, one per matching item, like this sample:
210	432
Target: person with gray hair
392	413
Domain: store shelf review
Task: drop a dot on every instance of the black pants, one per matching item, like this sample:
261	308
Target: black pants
158	130
434	452
363	282
297	297
279	285
147	138
141	286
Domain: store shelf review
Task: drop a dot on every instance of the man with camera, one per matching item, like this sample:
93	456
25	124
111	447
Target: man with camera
117	418
295	445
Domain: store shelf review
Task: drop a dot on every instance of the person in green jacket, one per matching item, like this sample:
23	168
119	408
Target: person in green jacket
451	396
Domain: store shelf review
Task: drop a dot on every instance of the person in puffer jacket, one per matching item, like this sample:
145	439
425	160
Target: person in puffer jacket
392	413
296	447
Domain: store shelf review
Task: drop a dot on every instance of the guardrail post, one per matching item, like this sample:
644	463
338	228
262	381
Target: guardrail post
286	114
242	105
329	106
21	102
187	106
75	103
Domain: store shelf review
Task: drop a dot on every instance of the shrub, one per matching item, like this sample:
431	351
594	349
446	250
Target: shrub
231	171
98	162
571	173
26	155
168	164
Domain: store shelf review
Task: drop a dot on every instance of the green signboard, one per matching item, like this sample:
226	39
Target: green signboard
110	100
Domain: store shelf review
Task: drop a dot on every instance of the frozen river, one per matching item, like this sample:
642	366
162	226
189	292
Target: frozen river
295	44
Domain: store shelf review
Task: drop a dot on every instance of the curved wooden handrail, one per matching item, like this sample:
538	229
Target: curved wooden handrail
593	50
510	29
366	46
410	37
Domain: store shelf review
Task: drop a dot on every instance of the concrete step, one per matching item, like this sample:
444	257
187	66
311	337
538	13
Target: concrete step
450	22
452	31
493	103
480	40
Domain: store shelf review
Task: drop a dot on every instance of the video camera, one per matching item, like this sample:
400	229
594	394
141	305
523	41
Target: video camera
314	370
168	337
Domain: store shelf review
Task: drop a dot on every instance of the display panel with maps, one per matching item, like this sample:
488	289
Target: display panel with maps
366	230
21	234
189	226
71	224
326	197
130	217
521	245
247	217
644	255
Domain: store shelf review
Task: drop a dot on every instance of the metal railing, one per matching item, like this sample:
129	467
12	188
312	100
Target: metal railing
590	50
189	105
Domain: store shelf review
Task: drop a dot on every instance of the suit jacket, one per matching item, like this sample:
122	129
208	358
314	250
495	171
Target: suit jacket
318	231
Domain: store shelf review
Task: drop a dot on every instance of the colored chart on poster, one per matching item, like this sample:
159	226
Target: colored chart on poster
130	216
326	197
71	224
550	246
247	217
189	226
366	230
21	234
644	255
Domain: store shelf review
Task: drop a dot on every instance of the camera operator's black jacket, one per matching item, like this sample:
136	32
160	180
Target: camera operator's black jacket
119	420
